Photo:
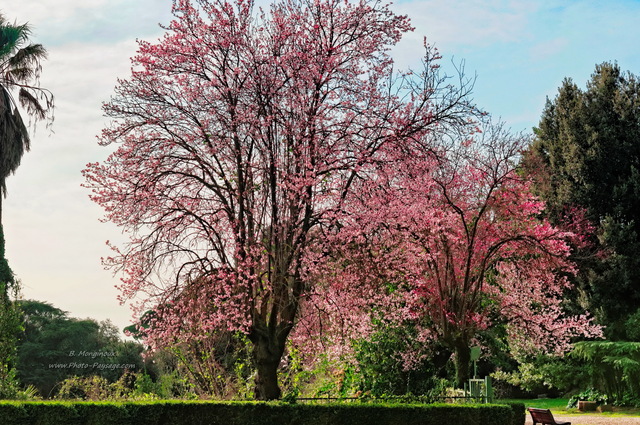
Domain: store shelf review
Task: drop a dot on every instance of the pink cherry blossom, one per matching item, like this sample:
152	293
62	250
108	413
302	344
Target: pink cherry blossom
241	134
453	237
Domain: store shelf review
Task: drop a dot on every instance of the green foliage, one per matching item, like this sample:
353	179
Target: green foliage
632	326
582	133
195	413
7	278
106	414
174	385
10	328
547	373
219	365
293	375
519	411
382	371
557	404
376	370
586	156
324	378
28	393
165	377
588	395
84	388
9	386
14	414
613	282
130	386
614	367
55	347
609	368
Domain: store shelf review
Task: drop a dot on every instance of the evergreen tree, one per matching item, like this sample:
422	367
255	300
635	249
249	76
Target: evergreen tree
586	157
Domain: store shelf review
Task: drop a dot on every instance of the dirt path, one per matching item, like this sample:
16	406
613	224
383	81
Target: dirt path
594	419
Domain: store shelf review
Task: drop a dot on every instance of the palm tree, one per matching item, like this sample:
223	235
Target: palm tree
19	85
19	88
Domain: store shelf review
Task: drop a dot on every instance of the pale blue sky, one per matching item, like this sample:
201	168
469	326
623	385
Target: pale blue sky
519	50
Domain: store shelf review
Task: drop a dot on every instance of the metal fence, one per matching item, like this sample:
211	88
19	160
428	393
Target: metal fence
475	391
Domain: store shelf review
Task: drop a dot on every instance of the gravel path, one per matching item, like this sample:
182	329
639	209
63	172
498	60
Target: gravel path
594	419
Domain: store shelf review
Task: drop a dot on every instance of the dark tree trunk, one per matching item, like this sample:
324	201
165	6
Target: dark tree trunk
267	379
462	362
268	349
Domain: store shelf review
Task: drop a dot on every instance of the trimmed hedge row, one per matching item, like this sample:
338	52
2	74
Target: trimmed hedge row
254	413
519	412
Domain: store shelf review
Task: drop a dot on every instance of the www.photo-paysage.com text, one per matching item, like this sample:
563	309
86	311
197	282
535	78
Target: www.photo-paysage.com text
74	365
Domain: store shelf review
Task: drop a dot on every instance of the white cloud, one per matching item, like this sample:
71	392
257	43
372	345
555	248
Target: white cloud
54	237
548	49
40	11
468	22
56	22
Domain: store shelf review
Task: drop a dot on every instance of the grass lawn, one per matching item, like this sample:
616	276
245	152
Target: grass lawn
559	406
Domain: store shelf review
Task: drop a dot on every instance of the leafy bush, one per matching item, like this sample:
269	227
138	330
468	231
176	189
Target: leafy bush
382	370
548	374
519	411
84	388
10	327
243	413
614	367
588	395
632	326
54	347
130	386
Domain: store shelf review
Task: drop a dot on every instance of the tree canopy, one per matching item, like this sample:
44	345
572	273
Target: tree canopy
55	346
586	162
262	155
240	133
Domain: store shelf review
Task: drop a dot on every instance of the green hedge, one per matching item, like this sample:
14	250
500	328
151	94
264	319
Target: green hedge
245	413
519	412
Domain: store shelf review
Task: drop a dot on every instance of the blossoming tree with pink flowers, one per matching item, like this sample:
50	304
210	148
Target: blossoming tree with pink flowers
452	237
239	134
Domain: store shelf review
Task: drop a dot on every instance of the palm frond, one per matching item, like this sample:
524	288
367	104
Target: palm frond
19	71
28	58
12	36
8	41
15	76
32	104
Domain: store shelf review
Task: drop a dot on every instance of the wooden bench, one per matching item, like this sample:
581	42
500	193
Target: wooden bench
544	417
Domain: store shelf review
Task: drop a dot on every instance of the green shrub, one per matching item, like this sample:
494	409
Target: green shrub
614	367
519	412
547	374
381	369
84	388
244	413
52	414
13	414
588	395
104	413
